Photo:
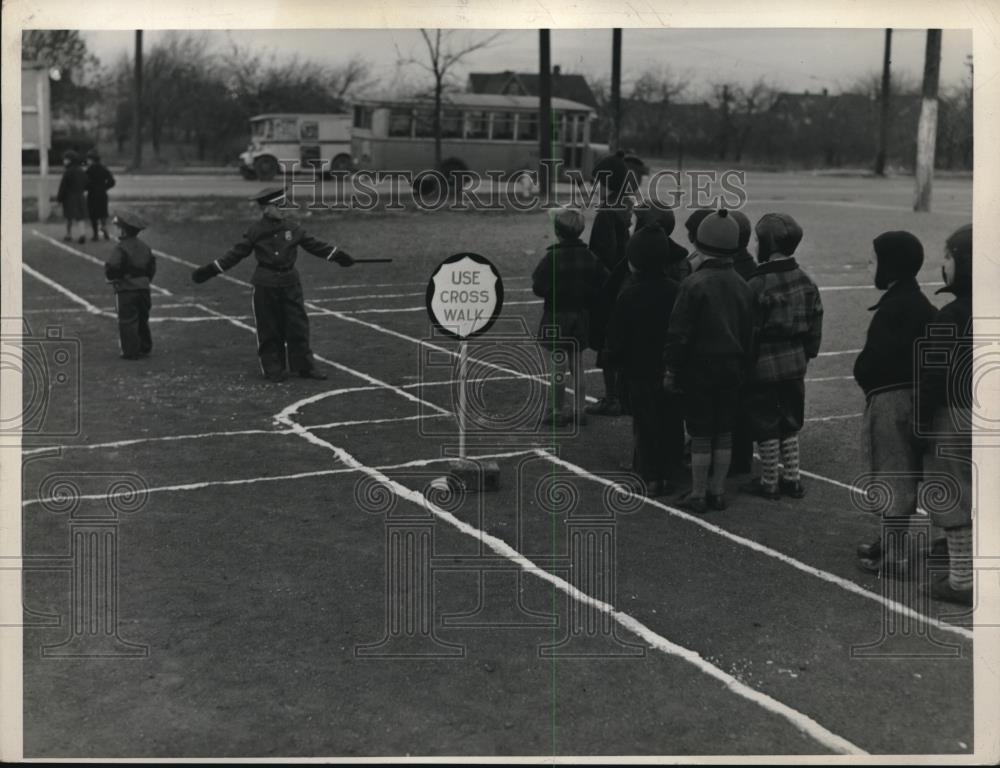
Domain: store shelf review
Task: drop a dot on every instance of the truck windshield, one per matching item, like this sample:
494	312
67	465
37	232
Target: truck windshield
261	129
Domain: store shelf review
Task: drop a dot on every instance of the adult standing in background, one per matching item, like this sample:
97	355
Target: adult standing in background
99	181
72	188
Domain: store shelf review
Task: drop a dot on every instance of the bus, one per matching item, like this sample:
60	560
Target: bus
318	140
479	132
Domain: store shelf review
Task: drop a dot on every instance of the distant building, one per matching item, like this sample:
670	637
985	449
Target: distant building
572	87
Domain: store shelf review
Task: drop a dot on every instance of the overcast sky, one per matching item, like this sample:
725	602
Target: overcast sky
793	59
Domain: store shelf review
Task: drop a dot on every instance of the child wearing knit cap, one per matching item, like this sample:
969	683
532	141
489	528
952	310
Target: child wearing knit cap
885	372
707	353
636	336
568	277
945	420
789	332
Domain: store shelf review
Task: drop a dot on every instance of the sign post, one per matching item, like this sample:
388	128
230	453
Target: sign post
464	299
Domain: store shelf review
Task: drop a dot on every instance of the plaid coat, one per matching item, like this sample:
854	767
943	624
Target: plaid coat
568	277
789	320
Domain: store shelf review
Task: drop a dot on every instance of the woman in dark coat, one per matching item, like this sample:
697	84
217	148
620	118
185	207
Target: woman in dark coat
72	188
99	181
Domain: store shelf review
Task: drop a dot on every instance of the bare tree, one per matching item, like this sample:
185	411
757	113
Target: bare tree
443	53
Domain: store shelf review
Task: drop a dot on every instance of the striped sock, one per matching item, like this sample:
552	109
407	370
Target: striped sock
790	459
722	456
701	460
768	450
960	557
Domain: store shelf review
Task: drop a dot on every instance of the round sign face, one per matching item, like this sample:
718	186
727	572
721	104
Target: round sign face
464	295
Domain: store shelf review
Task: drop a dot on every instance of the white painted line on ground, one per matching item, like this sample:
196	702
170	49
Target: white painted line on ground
390	420
865	206
378	296
67	293
266	478
840	352
88	257
831	578
835	418
395	310
157	439
799	720
868	287
366	286
830	378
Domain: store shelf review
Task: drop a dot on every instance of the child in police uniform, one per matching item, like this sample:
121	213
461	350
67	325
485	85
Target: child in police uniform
278	302
131	269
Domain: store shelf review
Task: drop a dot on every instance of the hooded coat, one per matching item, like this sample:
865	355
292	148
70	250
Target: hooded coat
887	360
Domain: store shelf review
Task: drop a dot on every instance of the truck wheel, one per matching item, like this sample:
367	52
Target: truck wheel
341	162
266	167
450	167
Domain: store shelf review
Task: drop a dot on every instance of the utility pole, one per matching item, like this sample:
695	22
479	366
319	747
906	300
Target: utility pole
883	126
137	103
616	88
927	127
544	111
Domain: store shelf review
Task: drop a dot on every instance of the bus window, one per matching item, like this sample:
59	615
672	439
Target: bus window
362	117
309	130
400	121
423	123
503	125
477	125
527	127
451	124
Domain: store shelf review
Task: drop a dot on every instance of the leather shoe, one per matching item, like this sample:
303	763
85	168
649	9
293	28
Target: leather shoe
756	487
716	501
792	488
941	589
313	373
888	568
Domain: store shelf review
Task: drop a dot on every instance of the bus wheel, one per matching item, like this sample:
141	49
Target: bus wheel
266	167
341	162
450	169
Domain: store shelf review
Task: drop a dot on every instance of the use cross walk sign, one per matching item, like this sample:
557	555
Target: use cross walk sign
464	295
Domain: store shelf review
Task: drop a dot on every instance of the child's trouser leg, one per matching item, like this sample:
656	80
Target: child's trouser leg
127	303
300	357
145	337
579	379
267	312
722	452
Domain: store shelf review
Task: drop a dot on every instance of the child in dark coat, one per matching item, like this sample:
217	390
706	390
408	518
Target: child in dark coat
789	332
608	237
707	353
744	265
99	181
945	418
885	372
568	278
72	188
131	269
636	337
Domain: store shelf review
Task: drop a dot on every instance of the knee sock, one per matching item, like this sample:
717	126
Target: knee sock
701	460
960	557
790	459
722	455
768	450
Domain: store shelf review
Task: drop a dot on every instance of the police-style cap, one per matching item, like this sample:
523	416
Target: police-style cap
269	195
131	220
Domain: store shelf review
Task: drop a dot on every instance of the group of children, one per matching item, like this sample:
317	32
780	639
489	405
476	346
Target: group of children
83	193
716	344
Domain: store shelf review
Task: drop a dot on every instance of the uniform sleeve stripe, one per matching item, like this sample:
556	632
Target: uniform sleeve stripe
331	253
218	266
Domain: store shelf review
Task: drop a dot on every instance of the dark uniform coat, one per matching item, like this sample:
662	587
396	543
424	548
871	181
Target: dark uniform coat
278	302
72	187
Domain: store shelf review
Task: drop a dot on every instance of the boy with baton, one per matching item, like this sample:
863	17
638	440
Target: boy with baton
278	303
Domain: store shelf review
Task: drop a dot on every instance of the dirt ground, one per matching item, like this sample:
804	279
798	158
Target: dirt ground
254	576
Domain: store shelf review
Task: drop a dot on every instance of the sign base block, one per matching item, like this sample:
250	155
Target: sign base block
473	476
